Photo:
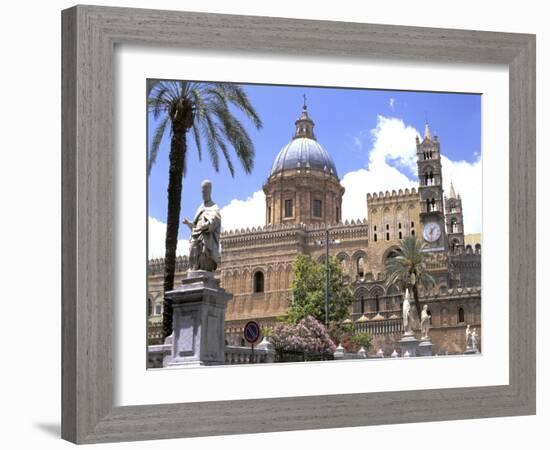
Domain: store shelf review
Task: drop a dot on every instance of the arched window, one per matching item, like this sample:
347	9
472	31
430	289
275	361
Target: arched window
454	226
360	267
375	237
258	282
387	236
460	315
400	235
478	249
289	209
431	205
317	208
430	316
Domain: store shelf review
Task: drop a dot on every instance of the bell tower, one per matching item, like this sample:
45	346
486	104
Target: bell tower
430	190
454	221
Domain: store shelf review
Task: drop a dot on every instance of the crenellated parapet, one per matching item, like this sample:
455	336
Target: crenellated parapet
346	231
383	198
455	293
156	265
280	234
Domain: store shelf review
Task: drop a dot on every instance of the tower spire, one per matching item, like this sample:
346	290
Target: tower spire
452	191
427	133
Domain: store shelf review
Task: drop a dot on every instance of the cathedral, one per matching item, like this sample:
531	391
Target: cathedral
303	196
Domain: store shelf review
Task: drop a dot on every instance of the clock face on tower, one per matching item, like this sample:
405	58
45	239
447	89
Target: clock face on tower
432	231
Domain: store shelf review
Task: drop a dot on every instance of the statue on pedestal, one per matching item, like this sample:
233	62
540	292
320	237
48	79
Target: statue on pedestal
204	252
468	337
473	337
407	314
425	322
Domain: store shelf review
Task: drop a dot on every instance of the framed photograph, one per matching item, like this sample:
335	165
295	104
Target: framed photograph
247	202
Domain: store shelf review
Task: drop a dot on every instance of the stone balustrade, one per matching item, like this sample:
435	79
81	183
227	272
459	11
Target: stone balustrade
245	355
263	353
376	327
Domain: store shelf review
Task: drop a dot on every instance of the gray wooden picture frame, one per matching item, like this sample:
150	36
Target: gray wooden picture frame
90	34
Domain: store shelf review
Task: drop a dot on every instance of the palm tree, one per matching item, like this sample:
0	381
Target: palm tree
407	269
203	109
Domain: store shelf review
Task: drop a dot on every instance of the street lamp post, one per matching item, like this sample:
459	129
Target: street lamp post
327	243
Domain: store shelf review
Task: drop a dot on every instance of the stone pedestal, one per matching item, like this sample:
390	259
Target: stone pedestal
408	343
198	321
425	347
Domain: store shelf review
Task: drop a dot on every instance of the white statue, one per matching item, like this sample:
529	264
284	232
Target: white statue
204	252
473	336
425	322
407	314
468	337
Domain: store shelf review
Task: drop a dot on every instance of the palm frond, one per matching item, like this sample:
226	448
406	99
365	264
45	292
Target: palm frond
237	135
225	153
197	138
238	97
151	83
211	136
159	99
155	145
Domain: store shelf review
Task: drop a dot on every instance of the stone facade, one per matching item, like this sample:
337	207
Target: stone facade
303	198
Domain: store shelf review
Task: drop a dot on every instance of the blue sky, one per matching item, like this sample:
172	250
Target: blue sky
368	133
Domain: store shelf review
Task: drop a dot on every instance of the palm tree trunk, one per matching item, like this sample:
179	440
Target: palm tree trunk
178	148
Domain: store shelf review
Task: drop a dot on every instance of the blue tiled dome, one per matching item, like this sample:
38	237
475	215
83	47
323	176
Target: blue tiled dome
303	153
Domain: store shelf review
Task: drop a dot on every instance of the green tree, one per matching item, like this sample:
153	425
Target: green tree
362	339
308	291
207	111
407	269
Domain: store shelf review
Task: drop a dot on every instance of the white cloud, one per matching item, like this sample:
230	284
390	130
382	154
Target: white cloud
157	237
392	142
361	182
391	165
393	152
392	103
244	213
237	214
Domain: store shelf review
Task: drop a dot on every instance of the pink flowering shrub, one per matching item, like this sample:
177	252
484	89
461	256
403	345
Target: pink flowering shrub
308	336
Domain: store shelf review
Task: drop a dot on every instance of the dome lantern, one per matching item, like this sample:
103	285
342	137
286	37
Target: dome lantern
304	125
